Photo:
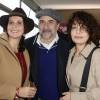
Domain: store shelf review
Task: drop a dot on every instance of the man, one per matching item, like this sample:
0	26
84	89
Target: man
48	54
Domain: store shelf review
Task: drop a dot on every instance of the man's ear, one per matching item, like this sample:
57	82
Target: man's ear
58	26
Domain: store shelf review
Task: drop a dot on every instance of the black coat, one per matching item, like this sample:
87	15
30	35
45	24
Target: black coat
62	57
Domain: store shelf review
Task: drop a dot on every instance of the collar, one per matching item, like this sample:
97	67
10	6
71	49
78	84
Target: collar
47	46
86	51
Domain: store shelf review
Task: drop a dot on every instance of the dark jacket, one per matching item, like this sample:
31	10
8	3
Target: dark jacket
62	57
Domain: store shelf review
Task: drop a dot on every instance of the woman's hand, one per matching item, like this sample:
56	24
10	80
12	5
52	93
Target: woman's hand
26	92
67	96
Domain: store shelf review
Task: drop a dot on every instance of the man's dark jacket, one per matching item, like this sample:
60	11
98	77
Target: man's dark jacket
62	57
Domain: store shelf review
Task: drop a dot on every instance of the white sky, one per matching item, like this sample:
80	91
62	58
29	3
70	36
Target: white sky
15	3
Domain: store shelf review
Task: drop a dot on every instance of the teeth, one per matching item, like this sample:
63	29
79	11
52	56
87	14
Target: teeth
14	31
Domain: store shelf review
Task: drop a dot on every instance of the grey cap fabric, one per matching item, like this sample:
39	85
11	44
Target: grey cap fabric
49	12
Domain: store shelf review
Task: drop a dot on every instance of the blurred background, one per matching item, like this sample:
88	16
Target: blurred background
65	8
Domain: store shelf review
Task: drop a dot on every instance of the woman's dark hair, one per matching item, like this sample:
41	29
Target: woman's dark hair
87	20
21	44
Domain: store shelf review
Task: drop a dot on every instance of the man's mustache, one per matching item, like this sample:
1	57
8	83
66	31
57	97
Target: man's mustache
46	31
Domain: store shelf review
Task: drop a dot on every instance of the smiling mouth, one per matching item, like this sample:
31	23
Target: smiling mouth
14	31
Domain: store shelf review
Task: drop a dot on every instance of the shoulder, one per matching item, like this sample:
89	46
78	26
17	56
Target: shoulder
28	42
65	43
96	53
95	61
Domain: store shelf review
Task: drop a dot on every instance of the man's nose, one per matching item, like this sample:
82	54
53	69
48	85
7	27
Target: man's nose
46	26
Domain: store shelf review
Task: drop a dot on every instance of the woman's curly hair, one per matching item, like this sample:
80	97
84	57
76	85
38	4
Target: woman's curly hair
87	20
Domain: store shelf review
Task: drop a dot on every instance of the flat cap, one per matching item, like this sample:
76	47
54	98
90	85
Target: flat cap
51	13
